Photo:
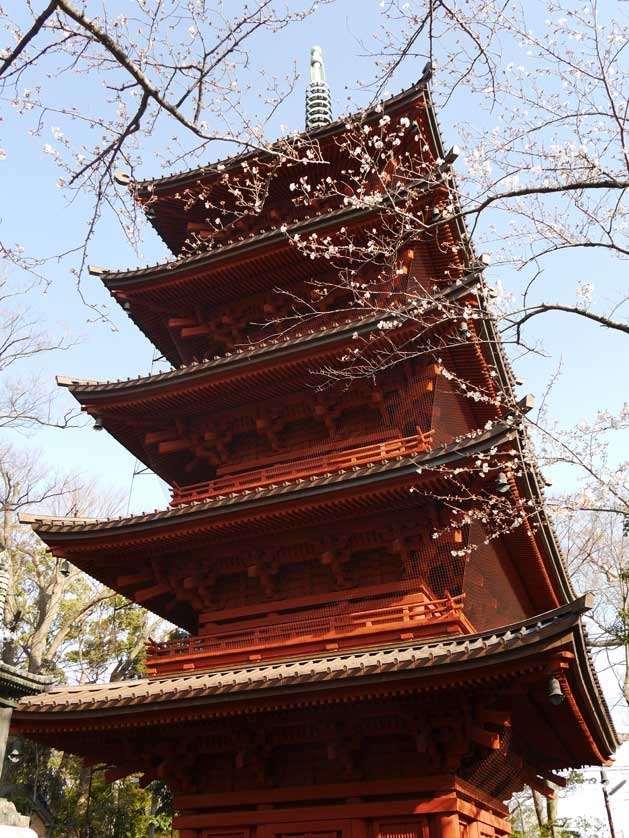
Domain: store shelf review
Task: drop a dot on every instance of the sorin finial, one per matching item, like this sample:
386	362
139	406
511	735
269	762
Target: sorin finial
318	99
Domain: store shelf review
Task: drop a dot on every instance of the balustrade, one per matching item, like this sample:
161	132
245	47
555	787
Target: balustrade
302	468
416	616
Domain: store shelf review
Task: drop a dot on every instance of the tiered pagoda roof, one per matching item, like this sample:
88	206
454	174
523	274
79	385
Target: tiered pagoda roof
163	196
373	544
102	547
16	683
579	732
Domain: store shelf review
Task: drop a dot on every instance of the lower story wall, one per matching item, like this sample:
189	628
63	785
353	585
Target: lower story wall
459	812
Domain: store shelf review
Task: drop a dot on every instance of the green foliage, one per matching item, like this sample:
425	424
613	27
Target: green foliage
76	797
573	828
115	810
525	820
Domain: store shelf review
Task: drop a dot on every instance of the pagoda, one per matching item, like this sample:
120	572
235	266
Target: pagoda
379	638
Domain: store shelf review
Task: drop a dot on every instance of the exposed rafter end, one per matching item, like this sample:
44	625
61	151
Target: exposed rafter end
123	178
526	403
66	381
33	518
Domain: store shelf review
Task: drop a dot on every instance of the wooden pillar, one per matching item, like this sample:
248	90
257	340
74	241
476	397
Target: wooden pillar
445	826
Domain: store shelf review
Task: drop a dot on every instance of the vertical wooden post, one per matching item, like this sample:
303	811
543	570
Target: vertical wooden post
445	826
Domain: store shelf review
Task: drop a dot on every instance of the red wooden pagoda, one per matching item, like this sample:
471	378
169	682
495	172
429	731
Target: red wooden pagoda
367	654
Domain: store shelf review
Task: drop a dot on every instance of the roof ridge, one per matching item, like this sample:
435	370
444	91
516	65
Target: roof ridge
415	89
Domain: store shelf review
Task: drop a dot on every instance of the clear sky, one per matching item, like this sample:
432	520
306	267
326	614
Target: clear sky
35	213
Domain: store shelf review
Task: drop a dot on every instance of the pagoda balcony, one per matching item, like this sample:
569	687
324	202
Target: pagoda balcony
301	468
415	617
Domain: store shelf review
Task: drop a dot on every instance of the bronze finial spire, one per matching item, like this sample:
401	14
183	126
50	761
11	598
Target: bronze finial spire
318	99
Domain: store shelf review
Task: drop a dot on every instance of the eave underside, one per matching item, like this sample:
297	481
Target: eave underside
511	665
190	176
104	549
265	263
276	369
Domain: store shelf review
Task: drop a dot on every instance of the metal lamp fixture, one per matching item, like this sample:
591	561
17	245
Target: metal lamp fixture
64	570
98	423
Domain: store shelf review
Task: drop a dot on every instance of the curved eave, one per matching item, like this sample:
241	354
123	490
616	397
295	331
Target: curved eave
544	535
588	687
481	659
107	548
55	530
15	683
104	548
86	391
145	188
240	269
129	410
164	271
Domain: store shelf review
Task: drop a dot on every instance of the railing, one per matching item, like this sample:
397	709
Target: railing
305	467
415	617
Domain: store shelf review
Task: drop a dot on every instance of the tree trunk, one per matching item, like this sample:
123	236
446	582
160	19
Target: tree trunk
540	814
83	801
154	803
4	584
551	814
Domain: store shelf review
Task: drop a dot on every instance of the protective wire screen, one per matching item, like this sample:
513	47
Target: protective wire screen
402	572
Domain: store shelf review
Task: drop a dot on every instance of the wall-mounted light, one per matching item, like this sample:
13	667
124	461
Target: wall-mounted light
464	330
